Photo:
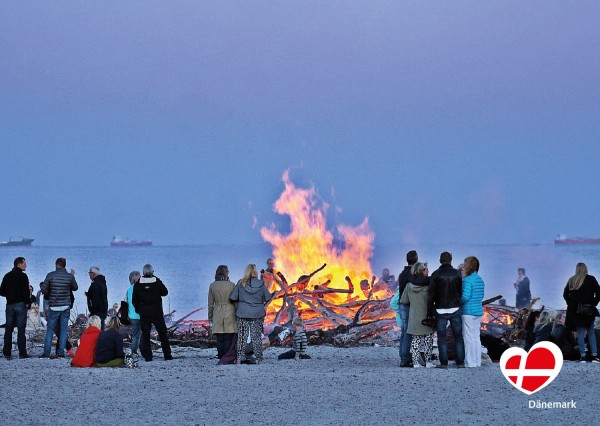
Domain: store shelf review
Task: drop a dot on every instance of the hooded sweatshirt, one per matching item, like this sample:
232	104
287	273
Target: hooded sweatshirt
250	299
416	294
147	296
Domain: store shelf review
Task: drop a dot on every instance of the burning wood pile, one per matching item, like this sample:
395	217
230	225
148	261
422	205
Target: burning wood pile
341	302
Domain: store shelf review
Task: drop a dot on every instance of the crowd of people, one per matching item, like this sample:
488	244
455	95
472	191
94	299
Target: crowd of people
101	344
447	302
427	304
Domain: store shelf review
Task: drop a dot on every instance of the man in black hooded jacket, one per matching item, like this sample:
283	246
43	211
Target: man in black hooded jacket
97	297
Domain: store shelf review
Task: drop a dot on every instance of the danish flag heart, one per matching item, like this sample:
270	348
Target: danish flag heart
534	370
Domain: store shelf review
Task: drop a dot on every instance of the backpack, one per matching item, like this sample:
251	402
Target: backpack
123	312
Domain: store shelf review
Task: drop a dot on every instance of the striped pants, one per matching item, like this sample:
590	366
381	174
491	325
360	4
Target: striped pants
254	328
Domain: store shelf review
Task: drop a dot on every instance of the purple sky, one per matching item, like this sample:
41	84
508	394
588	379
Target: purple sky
475	122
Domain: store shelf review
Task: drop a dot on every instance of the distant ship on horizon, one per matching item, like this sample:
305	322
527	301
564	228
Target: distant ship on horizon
16	241
563	239
118	241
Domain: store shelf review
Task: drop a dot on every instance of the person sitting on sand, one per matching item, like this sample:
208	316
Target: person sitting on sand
532	318
109	346
84	357
299	344
542	331
416	295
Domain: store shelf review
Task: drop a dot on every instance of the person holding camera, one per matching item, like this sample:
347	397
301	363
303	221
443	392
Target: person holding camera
416	295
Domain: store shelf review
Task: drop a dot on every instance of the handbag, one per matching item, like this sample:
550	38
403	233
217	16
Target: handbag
585	309
123	312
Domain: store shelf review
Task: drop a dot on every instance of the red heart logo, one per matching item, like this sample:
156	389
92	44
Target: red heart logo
534	370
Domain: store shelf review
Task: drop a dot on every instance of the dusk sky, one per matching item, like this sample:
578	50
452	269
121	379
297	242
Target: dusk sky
474	122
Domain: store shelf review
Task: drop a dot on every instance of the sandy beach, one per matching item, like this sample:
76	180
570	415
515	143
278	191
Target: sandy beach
349	386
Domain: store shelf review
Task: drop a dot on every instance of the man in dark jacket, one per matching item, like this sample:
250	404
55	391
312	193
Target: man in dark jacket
405	339
57	288
445	290
523	292
147	301
97	297
15	287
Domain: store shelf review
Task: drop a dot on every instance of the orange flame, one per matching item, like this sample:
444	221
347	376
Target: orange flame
309	245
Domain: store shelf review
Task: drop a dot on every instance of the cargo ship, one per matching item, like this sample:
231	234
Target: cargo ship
562	239
16	241
117	241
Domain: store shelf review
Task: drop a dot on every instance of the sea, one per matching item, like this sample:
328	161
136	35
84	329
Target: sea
187	271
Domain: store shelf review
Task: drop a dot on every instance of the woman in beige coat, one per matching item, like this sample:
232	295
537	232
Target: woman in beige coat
221	312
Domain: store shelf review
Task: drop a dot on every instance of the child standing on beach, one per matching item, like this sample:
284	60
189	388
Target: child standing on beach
299	344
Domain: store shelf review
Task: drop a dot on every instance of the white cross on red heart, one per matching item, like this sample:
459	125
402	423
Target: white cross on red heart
534	370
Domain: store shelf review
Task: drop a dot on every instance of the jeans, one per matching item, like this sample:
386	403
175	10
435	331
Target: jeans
405	338
135	335
62	317
16	314
455	320
591	339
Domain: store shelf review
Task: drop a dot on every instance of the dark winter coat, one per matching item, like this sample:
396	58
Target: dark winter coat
445	289
97	296
15	287
589	294
109	346
404	278
57	287
147	296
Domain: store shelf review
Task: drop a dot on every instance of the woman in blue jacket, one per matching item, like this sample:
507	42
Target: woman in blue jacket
472	311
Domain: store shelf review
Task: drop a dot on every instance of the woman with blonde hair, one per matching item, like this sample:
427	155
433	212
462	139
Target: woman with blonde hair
84	357
109	348
542	331
472	311
251	294
582	294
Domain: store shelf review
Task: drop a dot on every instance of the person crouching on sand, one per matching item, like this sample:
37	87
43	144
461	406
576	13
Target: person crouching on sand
251	295
84	357
109	346
299	344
